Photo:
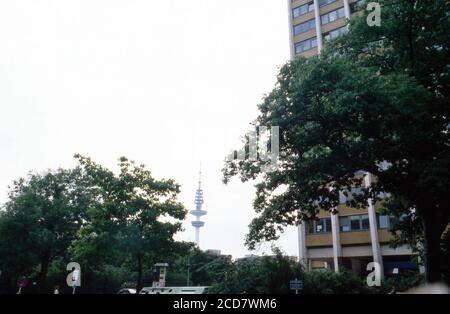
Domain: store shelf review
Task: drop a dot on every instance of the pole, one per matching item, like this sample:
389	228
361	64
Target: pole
376	250
189	271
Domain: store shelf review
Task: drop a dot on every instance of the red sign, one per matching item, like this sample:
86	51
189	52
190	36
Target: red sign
22	282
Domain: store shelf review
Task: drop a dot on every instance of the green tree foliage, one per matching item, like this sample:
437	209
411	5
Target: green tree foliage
335	118
117	226
205	268
330	282
407	281
272	275
263	275
40	221
134	219
414	39
376	101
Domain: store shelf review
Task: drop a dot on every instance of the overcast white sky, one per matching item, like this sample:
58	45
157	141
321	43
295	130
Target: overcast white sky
164	82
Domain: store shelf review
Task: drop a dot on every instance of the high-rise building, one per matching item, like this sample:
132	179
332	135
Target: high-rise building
352	237
312	23
198	212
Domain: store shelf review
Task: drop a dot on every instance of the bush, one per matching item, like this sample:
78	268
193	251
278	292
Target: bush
329	282
404	282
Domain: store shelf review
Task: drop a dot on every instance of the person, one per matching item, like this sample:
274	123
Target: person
56	290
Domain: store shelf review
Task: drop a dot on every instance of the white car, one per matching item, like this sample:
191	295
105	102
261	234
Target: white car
127	291
174	290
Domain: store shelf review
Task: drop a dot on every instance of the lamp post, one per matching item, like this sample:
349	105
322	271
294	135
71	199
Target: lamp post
188	271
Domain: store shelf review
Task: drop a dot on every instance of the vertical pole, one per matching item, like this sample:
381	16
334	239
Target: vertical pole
302	250
347	9
318	26
376	250
188	284
337	249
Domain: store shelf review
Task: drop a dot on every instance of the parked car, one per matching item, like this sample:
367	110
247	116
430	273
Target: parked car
127	291
173	290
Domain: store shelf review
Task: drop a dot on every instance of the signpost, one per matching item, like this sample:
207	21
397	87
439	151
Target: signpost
159	280
296	285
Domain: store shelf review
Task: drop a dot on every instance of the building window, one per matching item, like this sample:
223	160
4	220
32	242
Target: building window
303	9
365	224
354	223
305	45
325	2
383	222
335	33
304	27
322	225
332	16
344	224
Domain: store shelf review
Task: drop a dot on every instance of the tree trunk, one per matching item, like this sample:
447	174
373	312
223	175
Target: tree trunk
45	262
434	224
139	270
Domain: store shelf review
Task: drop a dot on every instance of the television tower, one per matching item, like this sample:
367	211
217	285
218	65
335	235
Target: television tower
198	212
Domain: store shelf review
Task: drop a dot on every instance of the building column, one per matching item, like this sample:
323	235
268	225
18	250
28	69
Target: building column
291	29
347	9
318	26
337	248
376	249
302	250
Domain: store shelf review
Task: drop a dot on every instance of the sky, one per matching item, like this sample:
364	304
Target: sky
168	83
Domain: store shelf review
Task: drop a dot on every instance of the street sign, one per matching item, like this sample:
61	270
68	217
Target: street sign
296	285
159	280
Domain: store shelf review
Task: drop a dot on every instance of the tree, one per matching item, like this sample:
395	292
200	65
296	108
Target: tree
41	219
134	219
445	262
205	268
336	118
330	282
272	275
413	39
